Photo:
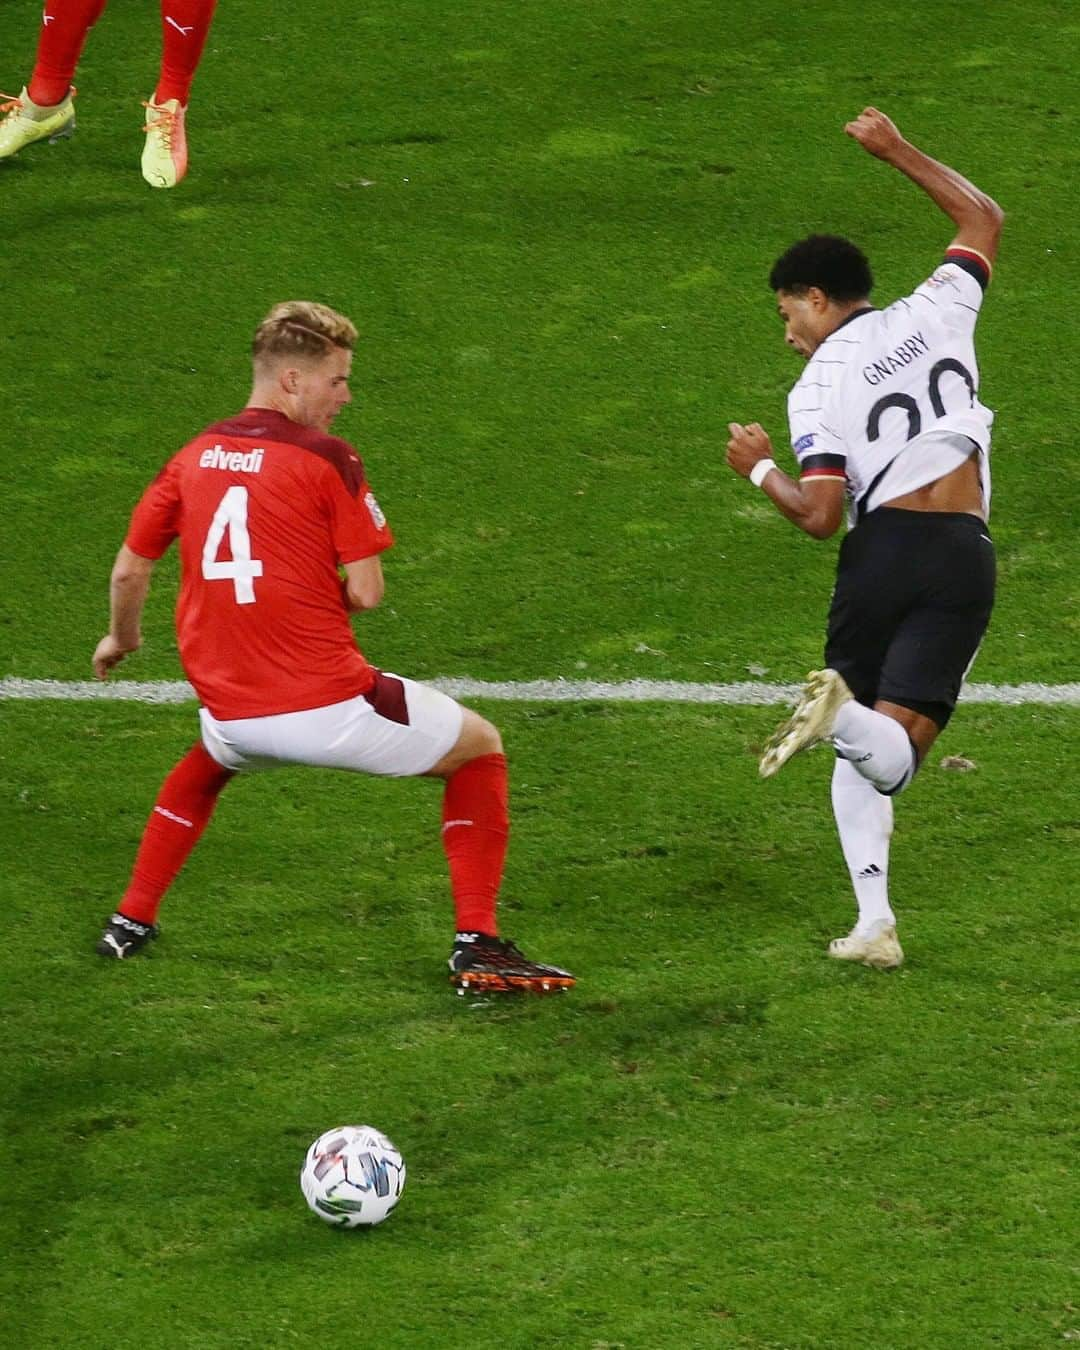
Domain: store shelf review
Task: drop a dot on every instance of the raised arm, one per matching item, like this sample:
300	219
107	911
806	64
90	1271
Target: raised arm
977	217
128	588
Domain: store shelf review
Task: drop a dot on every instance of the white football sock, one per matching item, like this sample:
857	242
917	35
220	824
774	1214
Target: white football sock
864	819
877	746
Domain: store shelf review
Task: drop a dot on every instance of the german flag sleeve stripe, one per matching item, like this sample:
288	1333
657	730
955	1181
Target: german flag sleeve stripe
972	261
823	466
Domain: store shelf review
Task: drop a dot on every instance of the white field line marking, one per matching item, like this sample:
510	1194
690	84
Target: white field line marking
747	693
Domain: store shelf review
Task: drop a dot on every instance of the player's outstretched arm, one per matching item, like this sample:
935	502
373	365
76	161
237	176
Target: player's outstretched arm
978	218
128	588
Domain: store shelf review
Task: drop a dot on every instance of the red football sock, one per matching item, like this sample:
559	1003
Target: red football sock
184	26
64	27
183	808
476	828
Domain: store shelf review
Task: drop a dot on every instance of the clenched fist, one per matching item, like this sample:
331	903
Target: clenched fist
747	445
876	133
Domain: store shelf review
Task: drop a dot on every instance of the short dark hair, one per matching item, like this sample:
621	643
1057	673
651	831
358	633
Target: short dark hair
836	266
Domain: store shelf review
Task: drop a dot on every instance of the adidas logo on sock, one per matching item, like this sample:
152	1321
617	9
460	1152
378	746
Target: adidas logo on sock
869	872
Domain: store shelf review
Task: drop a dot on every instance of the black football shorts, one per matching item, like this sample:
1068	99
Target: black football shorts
914	591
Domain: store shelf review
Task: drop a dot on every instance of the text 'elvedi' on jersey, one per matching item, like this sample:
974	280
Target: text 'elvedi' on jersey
236	461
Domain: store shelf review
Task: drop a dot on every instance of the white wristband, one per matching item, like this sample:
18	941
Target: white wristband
760	469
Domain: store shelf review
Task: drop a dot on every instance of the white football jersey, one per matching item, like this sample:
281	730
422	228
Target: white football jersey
889	401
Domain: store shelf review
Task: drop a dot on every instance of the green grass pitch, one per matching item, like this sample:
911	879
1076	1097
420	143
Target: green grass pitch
553	225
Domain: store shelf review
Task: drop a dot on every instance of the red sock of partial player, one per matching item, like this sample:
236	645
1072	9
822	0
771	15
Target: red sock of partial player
183	808
475	832
64	27
184	26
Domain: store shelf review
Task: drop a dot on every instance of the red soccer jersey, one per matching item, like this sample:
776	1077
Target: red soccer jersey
265	510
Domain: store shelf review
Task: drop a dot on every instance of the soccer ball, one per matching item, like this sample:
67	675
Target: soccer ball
352	1177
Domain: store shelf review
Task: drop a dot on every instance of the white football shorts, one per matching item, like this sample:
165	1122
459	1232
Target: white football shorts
398	729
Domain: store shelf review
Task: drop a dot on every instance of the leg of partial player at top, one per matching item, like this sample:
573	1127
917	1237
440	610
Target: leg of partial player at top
185	25
64	26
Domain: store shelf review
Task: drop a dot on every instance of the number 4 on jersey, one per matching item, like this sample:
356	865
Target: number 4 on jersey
242	570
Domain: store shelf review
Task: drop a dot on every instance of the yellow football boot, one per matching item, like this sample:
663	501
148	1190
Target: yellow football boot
879	947
24	122
812	722
164	156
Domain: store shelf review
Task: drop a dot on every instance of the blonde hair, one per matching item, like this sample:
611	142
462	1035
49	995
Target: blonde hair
301	328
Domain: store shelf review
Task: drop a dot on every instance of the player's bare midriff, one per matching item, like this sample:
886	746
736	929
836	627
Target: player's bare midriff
960	490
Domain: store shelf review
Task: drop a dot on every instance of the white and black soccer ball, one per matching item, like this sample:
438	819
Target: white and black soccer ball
353	1176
